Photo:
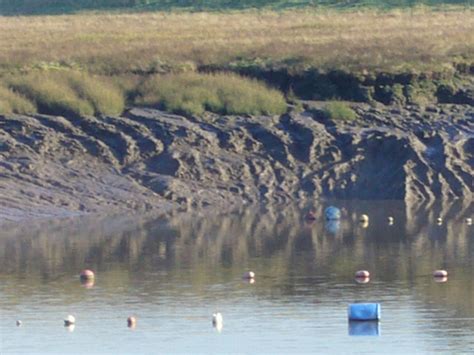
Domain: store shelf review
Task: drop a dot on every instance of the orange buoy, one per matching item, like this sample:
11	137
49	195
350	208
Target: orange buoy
87	274
440	273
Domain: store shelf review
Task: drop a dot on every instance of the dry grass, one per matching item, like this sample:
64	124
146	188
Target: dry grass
118	43
11	102
62	93
192	94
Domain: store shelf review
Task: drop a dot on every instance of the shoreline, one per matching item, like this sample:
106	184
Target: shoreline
147	160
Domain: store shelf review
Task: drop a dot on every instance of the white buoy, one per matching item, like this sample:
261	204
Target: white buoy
440	273
248	275
362	274
131	322
18	323
69	320
217	321
364	218
468	221
390	220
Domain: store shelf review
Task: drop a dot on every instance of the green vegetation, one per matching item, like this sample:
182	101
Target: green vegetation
51	96
337	110
11	102
15	7
75	93
192	94
60	93
104	97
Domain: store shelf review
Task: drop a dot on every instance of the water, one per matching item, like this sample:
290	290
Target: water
173	272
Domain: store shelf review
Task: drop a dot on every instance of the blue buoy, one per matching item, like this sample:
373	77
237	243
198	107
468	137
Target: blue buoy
369	328
332	213
364	311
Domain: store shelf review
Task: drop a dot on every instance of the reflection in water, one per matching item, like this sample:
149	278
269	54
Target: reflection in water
196	257
367	328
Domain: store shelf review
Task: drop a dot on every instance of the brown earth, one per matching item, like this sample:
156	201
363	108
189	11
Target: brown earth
147	159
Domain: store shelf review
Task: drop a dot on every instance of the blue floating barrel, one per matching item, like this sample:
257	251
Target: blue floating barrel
364	311
332	213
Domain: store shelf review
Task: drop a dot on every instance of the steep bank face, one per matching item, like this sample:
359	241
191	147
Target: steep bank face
148	159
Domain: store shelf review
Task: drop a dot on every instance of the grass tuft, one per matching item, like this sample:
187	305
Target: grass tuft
68	93
337	110
193	93
51	96
104	97
11	102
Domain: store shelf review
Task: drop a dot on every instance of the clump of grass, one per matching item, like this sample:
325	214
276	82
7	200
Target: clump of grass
193	93
69	93
104	97
51	96
337	110
11	102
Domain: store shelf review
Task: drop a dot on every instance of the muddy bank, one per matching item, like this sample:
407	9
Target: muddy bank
148	160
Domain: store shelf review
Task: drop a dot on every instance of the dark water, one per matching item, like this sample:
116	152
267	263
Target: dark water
173	272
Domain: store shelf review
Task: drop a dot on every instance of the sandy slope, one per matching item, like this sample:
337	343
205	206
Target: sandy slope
146	159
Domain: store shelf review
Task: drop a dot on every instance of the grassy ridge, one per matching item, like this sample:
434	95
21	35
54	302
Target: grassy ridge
29	7
72	93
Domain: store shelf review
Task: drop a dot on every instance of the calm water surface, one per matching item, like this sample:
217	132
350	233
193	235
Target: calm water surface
173	272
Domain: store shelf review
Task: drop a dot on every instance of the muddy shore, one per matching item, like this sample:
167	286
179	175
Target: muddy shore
150	160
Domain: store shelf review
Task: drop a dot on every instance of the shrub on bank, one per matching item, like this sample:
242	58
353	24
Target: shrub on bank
11	102
337	110
193	93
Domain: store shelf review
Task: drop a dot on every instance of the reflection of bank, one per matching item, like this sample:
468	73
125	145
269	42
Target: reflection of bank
364	328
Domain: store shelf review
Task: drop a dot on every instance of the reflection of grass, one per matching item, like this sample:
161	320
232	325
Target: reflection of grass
193	93
156	42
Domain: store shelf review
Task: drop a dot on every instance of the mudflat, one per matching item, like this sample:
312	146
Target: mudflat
146	159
